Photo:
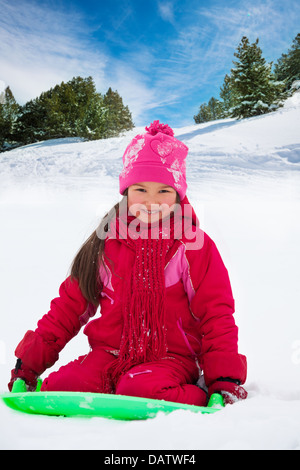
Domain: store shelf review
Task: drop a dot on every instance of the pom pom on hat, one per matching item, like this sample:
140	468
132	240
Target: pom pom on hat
156	127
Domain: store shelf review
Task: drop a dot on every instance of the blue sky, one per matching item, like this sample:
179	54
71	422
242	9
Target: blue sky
165	57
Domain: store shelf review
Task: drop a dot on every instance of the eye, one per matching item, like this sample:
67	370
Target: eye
164	191
141	190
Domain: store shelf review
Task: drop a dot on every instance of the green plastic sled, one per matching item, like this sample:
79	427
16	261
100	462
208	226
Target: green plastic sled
78	404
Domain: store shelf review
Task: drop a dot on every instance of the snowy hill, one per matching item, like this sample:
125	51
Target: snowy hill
269	142
243	179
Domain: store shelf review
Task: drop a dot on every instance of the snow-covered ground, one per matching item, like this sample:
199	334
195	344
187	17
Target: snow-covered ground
244	183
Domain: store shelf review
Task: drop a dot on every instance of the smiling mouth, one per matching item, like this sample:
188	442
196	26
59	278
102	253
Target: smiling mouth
150	212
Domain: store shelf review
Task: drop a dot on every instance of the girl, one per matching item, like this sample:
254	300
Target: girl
166	328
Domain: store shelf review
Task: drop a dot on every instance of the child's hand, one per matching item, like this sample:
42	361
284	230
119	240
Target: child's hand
230	389
24	373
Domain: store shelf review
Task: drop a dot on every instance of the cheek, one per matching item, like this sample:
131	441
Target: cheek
170	199
134	198
168	202
134	202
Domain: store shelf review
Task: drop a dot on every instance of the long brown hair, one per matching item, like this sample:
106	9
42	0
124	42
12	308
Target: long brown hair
85	266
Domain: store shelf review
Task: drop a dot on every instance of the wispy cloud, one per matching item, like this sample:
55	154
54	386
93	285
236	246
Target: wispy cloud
270	20
40	48
166	11
176	67
203	48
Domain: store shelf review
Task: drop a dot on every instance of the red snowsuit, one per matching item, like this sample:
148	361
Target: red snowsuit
200	330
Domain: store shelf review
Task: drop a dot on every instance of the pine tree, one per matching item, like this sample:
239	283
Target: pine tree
2	97
227	96
203	114
215	109
118	117
75	109
32	121
287	68
255	89
209	112
9	113
72	109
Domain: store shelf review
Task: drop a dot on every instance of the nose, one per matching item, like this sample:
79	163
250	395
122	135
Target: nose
151	201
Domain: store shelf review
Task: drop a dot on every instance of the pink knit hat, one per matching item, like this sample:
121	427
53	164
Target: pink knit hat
155	156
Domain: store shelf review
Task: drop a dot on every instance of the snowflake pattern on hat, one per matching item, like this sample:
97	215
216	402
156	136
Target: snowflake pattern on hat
131	154
178	170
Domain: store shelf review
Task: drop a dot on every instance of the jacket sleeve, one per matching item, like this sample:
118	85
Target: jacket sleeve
213	306
40	349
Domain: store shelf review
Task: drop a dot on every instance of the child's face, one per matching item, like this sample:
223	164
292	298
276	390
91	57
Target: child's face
150	201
